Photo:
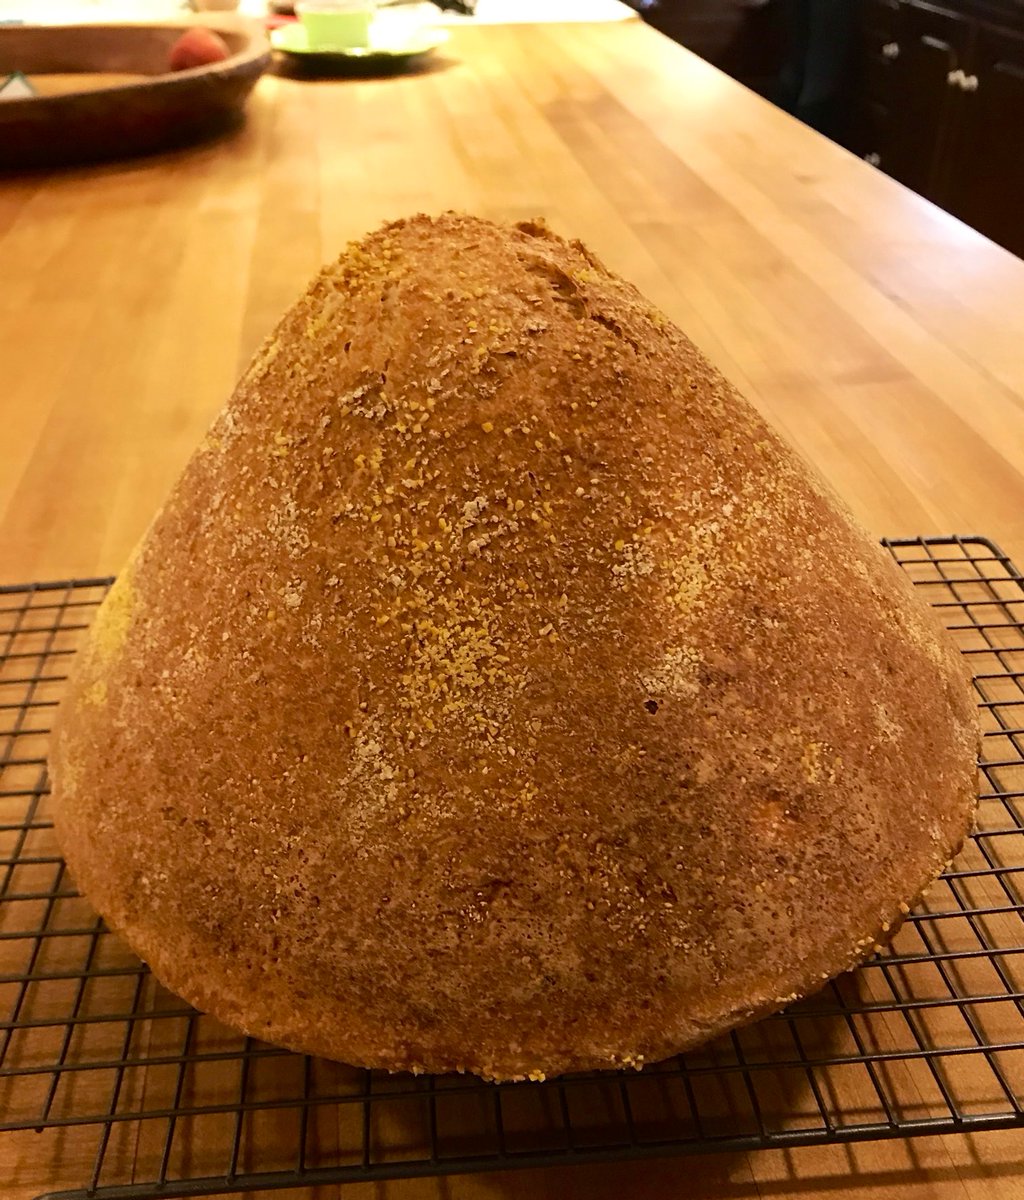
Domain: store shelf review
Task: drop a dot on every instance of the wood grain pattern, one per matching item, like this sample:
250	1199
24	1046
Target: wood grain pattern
884	337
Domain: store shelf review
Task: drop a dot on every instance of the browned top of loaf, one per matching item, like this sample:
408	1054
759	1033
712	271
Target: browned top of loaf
497	691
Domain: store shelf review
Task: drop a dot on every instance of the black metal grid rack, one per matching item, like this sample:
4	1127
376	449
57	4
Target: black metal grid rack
135	1094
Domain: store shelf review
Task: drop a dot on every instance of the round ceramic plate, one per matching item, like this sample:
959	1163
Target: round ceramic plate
388	56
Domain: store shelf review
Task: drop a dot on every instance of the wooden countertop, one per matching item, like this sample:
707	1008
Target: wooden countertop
883	336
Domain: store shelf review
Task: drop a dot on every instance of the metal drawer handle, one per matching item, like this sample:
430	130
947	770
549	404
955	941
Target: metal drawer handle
955	78
891	50
969	83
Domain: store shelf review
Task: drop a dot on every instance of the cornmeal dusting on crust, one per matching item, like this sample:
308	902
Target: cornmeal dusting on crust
496	692
677	674
110	628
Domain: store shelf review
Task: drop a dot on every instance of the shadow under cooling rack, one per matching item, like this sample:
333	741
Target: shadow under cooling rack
135	1094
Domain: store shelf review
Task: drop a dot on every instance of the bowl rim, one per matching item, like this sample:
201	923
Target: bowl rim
257	50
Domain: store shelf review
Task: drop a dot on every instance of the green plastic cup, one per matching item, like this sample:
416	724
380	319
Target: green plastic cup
336	24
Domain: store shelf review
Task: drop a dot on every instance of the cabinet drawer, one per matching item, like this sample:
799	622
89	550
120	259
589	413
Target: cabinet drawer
878	47
986	178
871	133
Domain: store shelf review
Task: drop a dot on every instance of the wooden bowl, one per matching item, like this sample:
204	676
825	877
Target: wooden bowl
165	110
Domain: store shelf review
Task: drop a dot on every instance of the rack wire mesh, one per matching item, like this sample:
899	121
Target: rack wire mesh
132	1093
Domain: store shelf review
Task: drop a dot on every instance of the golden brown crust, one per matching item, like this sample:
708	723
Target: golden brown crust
497	692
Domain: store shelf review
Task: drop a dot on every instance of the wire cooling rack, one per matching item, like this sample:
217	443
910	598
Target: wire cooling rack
132	1093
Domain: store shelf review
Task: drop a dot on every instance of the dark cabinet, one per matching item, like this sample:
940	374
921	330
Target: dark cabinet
932	44
939	105
987	187
872	122
744	39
